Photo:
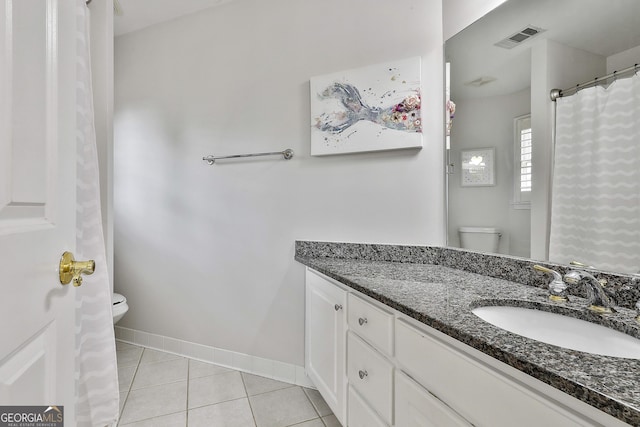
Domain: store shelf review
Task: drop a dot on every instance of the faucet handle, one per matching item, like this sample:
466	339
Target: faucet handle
557	287
580	264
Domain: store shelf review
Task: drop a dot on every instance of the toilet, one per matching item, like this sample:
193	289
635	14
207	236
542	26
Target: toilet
120	307
481	239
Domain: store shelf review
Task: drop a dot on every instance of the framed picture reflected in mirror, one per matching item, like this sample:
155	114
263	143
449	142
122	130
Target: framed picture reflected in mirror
478	167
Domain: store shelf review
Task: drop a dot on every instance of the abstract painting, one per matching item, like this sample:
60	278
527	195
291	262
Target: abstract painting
367	109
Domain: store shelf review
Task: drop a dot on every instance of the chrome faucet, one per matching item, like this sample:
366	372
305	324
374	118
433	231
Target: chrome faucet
598	299
557	288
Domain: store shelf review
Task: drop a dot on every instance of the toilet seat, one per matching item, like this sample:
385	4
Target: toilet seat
117	299
119	306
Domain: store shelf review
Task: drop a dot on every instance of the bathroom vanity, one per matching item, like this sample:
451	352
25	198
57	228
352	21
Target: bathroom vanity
391	341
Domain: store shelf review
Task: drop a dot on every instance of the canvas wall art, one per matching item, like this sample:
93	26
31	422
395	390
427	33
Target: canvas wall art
367	109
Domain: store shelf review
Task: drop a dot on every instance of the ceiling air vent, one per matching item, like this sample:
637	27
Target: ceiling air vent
480	81
519	37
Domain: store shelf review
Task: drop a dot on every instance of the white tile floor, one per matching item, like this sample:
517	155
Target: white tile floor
160	389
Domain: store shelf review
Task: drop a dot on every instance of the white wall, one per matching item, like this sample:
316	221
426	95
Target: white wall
482	123
553	66
205	253
623	59
459	14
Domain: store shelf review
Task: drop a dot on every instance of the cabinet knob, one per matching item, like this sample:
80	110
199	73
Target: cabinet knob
337	307
362	321
362	374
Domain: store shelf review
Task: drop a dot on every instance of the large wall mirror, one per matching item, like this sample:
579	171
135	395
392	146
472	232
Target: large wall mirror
501	69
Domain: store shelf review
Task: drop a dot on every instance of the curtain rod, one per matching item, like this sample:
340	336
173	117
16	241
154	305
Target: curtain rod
557	93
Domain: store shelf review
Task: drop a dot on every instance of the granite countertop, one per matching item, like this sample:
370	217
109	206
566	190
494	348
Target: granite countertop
442	298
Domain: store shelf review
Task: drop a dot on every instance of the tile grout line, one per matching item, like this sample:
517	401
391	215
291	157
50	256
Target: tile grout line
161	361
156	385
230	370
268	391
303	422
285	372
313	406
126	393
142	388
246	391
186	416
152	418
126	398
320	417
217	403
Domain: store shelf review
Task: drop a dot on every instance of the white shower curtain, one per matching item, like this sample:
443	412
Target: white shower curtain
595	215
96	367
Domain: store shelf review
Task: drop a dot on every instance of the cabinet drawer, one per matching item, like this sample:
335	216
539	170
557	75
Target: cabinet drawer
371	374
360	414
371	323
470	387
416	407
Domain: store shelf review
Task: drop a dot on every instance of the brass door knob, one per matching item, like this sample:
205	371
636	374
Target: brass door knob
70	269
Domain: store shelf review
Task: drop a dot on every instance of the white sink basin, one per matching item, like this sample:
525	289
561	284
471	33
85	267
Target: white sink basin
563	331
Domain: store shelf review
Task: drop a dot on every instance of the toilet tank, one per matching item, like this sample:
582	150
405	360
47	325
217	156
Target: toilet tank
482	239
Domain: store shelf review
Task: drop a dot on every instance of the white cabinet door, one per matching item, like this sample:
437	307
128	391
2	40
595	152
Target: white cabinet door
325	324
37	201
416	407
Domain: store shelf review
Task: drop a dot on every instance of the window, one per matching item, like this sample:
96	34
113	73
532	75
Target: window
523	162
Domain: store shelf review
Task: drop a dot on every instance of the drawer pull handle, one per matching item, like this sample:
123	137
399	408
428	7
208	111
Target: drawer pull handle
362	321
362	374
337	307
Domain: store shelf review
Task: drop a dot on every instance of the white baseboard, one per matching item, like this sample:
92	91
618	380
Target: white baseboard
273	369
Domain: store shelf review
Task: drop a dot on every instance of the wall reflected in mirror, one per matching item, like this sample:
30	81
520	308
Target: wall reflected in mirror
501	70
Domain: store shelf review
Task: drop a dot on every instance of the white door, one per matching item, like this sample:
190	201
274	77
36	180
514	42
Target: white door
37	201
